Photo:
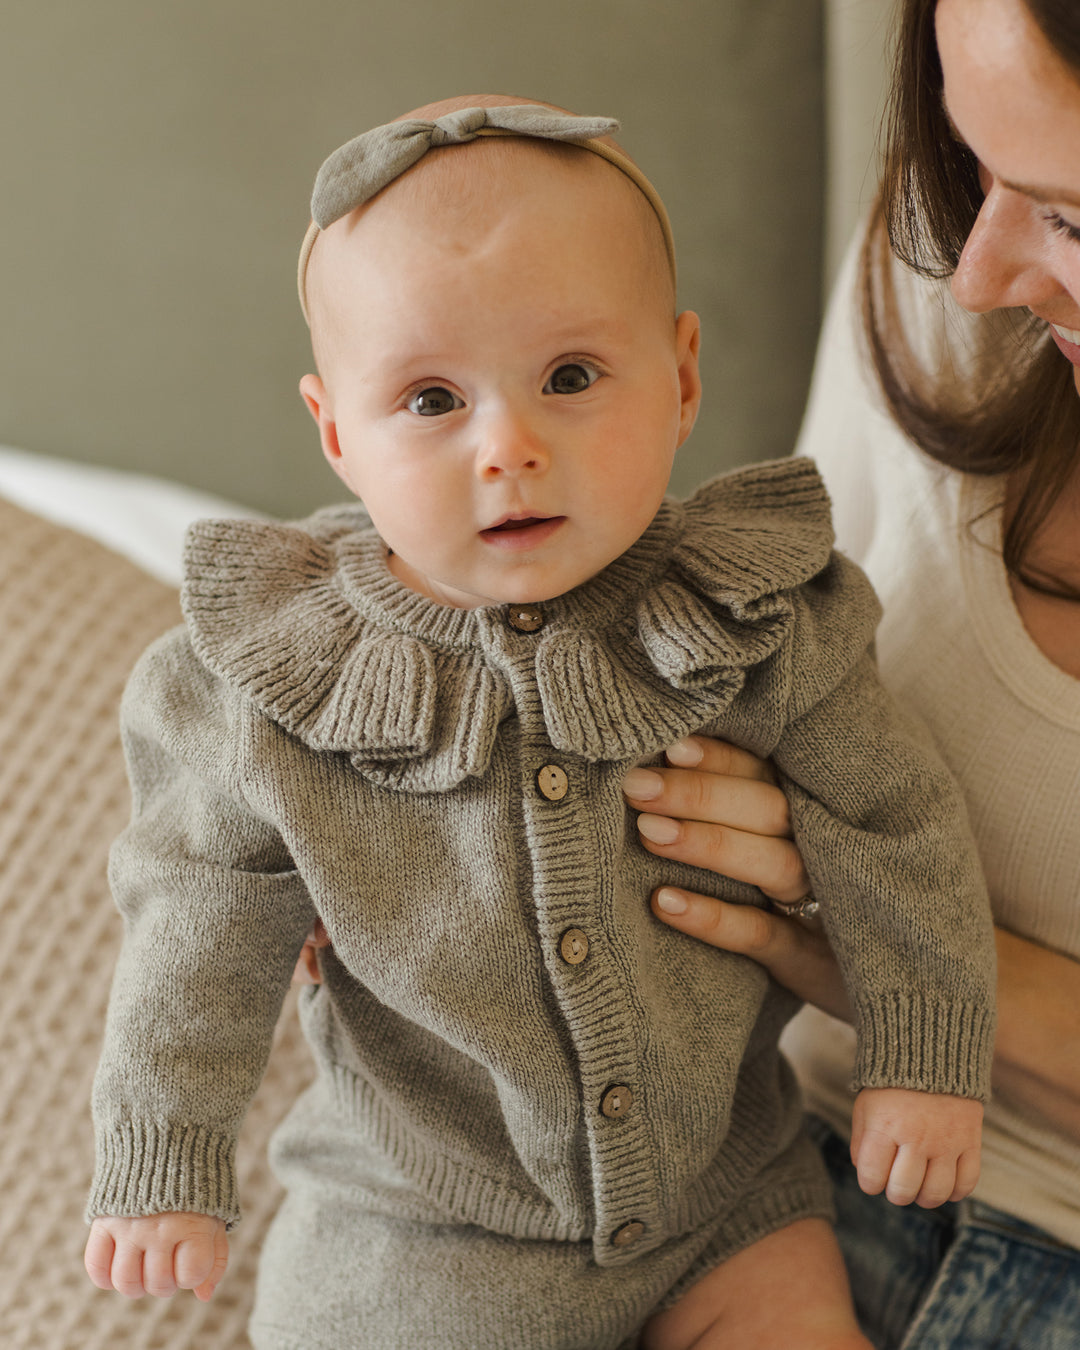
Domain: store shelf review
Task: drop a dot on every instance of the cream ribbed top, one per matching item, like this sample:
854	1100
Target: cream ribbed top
953	647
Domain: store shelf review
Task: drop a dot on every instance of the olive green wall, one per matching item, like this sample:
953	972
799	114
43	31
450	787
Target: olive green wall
156	161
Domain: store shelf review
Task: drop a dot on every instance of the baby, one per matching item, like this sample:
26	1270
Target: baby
541	1118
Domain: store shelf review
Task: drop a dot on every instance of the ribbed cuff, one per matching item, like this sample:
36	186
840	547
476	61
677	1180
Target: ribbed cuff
912	1042
152	1167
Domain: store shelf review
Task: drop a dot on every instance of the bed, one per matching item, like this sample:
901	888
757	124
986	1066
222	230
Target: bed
88	571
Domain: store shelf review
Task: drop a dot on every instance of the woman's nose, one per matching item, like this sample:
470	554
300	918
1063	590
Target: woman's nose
1002	263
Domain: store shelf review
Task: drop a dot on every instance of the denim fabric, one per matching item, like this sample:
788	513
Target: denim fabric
962	1277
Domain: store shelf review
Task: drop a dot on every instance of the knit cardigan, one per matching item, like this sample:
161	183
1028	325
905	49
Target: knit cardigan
319	740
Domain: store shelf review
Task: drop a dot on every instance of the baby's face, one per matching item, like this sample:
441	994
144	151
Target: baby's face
505	385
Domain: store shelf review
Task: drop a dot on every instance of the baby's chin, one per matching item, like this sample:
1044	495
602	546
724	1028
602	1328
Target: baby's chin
539	595
505	595
522	589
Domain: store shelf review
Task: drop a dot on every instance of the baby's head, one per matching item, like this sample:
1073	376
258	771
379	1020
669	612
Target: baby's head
502	377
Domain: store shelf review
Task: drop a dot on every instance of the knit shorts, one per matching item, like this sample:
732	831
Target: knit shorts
337	1273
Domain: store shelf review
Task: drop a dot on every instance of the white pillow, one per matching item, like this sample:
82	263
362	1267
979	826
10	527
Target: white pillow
140	517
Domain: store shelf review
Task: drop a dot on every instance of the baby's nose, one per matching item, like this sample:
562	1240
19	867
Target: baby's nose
512	445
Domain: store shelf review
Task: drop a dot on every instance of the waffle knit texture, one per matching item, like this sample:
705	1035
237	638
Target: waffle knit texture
320	740
74	617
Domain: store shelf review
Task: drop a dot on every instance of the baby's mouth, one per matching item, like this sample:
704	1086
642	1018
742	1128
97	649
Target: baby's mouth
522	530
517	523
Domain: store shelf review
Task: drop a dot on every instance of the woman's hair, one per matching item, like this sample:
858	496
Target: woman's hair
1016	410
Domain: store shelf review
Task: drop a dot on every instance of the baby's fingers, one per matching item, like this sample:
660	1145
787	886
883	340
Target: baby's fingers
199	1262
874	1155
157	1254
967	1174
98	1256
938	1185
157	1272
118	1260
910	1176
126	1274
945	1178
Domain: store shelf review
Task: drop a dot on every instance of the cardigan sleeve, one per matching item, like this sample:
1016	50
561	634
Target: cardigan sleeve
884	836
214	917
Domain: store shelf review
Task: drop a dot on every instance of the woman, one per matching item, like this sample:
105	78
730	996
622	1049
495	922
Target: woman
975	548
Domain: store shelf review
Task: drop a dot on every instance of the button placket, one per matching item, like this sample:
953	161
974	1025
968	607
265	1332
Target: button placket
564	831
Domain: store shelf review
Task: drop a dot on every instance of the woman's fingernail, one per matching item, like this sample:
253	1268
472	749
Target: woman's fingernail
685	754
671	902
658	829
642	785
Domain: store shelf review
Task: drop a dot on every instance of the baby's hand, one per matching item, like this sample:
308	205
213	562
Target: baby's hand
919	1146
157	1254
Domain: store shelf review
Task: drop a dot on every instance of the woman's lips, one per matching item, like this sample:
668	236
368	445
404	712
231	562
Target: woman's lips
522	532
1068	341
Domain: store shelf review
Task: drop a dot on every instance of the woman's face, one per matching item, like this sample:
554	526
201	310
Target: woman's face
1016	105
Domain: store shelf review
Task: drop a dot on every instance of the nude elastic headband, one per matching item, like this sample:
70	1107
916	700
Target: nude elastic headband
360	168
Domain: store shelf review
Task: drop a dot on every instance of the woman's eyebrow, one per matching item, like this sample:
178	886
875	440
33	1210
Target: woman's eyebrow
1045	195
1048	196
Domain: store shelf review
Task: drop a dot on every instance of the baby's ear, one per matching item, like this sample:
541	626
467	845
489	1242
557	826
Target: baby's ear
687	349
314	394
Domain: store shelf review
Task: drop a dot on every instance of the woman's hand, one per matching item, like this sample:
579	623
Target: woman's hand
307	965
717	807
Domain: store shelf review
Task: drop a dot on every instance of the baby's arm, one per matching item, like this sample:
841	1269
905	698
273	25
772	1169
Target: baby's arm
214	916
919	1146
157	1254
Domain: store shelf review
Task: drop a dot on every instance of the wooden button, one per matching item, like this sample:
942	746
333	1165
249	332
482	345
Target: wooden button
616	1102
628	1234
552	782
573	946
525	618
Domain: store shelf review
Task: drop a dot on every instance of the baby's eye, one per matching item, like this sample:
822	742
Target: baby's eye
433	401
573	378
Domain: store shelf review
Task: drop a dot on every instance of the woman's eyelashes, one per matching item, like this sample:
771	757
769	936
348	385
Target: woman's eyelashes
1063	226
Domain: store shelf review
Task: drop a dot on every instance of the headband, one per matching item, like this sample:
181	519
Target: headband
360	168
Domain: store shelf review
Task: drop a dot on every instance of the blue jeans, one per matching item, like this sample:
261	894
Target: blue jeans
962	1277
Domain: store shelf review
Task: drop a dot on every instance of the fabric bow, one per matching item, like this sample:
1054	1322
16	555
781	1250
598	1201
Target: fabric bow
360	168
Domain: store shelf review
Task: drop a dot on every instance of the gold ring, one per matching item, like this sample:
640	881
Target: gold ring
806	908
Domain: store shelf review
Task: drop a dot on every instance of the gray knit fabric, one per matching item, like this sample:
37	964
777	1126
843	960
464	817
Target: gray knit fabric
320	740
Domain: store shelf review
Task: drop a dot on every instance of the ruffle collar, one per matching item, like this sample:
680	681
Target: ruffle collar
308	623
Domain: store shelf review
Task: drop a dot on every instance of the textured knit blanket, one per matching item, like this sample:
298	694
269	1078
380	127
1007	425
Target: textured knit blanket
73	619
